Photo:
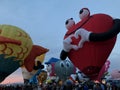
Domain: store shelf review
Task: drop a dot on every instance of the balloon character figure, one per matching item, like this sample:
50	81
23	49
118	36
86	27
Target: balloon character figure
17	50
88	56
51	67
103	70
38	78
64	69
42	77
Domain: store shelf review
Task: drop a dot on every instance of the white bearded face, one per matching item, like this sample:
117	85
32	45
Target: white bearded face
69	23
49	68
84	13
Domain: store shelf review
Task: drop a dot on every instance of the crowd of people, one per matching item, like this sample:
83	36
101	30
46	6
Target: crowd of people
66	85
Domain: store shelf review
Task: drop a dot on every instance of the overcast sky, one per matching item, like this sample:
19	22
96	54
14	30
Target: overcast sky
44	21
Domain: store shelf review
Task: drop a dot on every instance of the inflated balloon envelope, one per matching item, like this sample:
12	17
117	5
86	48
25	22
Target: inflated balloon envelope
92	56
64	69
16	50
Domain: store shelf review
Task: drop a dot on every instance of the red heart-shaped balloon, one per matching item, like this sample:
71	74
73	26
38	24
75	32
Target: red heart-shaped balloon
92	56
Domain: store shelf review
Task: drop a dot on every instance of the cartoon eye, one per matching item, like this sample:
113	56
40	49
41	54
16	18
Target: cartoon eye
83	13
69	23
61	64
49	67
68	64
71	18
66	22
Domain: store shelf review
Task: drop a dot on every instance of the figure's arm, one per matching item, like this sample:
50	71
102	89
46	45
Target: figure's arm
63	55
67	46
106	35
96	37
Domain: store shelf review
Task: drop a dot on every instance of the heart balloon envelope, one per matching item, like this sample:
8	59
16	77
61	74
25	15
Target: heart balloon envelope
92	56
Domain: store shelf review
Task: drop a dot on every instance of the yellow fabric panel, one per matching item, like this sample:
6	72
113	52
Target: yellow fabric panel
15	33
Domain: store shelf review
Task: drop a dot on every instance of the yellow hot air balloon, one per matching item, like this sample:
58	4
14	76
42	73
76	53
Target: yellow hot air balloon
16	49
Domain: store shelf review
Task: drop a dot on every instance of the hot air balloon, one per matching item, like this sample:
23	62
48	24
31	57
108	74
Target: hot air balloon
38	78
51	67
16	50
90	57
42	77
64	69
103	70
